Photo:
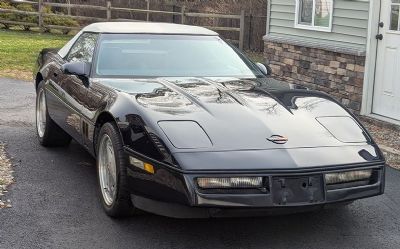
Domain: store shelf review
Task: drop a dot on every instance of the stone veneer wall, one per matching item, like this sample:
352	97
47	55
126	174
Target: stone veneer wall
340	75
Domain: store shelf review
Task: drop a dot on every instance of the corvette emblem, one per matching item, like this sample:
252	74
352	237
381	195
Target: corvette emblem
278	139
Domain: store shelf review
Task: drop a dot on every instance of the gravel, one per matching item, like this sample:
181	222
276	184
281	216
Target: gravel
6	177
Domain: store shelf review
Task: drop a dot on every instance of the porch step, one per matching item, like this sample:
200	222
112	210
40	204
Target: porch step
392	156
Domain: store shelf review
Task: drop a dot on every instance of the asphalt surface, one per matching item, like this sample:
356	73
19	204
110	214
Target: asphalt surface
55	205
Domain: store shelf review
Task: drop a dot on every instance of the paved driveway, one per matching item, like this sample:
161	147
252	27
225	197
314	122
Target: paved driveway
55	205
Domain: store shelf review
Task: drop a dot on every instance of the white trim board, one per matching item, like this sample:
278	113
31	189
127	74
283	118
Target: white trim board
268	16
370	63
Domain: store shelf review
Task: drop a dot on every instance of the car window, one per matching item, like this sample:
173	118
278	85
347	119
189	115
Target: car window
137	55
83	48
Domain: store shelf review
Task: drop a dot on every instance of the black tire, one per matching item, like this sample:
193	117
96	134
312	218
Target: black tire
53	135
122	205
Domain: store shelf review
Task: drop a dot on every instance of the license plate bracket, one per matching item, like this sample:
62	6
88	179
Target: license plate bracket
297	190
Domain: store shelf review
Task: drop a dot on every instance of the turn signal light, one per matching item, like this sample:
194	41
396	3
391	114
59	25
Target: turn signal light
141	165
229	182
149	168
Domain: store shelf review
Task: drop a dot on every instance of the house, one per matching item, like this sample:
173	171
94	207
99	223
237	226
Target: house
347	48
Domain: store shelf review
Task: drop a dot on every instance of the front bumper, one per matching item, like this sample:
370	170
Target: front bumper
276	198
279	194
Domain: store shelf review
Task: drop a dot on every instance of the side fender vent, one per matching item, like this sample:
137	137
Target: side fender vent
160	146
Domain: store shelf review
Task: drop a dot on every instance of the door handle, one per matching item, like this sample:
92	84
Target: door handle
379	37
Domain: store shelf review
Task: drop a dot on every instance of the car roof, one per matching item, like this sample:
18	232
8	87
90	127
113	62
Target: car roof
137	28
147	28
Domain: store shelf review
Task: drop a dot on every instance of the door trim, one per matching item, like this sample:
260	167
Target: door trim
370	58
370	64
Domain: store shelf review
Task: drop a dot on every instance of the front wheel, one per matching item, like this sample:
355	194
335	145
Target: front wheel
48	132
111	173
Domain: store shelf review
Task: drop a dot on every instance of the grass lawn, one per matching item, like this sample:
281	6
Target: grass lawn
19	50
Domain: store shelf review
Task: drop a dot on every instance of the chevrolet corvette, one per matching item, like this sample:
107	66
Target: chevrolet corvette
183	124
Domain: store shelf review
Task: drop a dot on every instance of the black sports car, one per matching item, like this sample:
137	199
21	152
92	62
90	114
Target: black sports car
184	125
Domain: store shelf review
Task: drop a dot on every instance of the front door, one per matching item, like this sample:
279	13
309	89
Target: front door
386	100
73	89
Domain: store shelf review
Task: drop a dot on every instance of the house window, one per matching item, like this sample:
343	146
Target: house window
394	15
314	14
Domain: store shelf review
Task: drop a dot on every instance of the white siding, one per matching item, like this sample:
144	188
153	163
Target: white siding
349	29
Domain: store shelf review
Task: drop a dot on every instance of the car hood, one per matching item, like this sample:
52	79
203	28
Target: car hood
222	114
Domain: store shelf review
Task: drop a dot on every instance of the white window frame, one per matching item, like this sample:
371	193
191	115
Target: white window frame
312	26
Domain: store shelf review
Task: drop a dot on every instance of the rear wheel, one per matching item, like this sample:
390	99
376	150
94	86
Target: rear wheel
48	132
111	173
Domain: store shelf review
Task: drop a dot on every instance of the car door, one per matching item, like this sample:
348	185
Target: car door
98	97
73	89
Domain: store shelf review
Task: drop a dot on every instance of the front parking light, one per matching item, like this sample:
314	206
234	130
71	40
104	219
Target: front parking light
229	182
141	165
348	176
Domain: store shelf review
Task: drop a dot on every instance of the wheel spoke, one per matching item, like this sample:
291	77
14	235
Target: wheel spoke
41	113
43	109
111	185
111	159
107	170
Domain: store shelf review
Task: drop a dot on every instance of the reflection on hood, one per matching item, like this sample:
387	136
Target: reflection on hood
165	100
186	95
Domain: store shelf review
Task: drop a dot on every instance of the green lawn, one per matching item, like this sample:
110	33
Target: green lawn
19	50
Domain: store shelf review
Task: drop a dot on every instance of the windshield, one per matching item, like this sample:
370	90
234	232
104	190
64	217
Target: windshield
140	55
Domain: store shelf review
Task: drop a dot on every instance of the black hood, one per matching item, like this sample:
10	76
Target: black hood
220	114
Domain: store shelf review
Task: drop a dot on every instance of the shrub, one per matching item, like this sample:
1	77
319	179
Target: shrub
59	20
5	15
48	20
26	18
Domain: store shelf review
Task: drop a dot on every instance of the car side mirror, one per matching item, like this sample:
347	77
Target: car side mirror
265	69
78	68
